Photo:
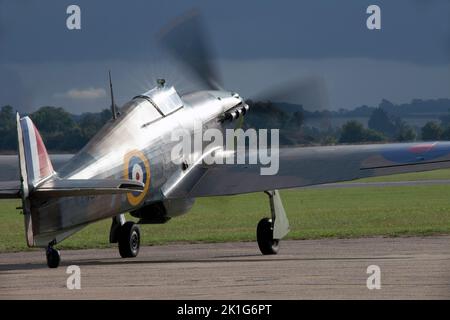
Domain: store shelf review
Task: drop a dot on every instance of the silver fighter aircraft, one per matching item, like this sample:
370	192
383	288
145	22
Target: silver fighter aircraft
128	165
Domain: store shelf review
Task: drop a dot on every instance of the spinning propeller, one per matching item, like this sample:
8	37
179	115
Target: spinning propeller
186	38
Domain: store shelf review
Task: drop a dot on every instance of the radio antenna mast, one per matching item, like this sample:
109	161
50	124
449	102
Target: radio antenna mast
113	104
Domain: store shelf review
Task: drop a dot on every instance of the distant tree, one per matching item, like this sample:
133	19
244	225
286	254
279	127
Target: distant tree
91	123
7	119
405	133
446	134
373	136
52	120
353	131
56	127
8	132
105	115
60	130
266	115
329	140
73	140
380	121
296	120
431	131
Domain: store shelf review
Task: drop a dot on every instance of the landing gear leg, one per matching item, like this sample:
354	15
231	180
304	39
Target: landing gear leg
270	231
117	223
53	256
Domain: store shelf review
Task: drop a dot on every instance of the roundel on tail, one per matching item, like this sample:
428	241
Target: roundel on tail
136	167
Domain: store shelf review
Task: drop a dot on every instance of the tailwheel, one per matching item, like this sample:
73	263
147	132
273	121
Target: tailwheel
53	257
264	233
129	240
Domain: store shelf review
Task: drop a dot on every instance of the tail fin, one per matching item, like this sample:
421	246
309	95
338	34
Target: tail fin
34	165
35	159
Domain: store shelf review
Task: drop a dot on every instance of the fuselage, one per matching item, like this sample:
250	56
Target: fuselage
138	146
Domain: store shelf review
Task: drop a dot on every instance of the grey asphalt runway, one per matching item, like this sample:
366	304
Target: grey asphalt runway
411	268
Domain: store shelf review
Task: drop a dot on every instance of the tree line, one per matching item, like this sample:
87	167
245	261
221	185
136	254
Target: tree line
383	126
60	130
65	132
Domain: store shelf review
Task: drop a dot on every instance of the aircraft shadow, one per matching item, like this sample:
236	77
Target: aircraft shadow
219	259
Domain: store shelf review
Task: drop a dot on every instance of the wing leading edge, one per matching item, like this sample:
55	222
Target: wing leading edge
306	166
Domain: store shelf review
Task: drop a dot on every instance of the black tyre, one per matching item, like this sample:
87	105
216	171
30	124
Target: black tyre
53	258
264	233
129	240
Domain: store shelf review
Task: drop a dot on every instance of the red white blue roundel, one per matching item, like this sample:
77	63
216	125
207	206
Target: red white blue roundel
137	168
407	153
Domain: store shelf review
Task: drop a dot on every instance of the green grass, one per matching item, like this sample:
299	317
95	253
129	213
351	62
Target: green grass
442	174
314	213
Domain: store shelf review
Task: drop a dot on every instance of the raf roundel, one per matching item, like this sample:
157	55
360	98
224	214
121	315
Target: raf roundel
137	168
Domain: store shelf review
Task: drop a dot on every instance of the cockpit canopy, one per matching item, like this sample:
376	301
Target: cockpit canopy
165	99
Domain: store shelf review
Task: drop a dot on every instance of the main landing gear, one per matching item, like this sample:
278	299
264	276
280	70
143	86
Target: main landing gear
269	232
264	234
127	235
53	256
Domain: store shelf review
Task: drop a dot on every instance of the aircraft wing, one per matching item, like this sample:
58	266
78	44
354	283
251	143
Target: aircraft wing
82	187
306	166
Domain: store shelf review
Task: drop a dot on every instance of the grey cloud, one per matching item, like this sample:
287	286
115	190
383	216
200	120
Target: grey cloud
14	91
83	94
257	29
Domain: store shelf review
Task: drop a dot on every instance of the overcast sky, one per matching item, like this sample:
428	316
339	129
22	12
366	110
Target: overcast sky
258	43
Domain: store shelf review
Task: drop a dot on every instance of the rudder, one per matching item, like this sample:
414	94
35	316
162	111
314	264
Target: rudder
37	161
34	166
